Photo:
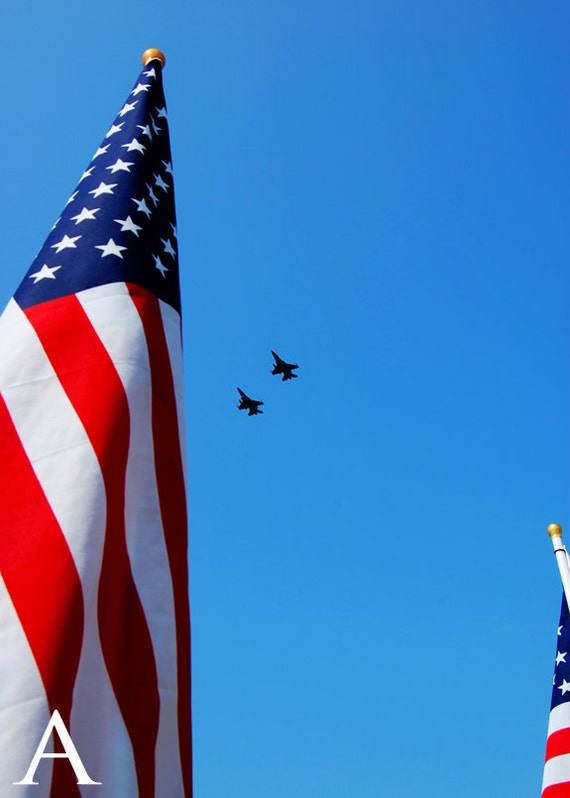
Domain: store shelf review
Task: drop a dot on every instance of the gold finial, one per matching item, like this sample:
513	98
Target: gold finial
554	530
151	54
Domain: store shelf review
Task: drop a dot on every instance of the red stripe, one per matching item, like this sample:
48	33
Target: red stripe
93	386
561	790
172	499
41	577
558	743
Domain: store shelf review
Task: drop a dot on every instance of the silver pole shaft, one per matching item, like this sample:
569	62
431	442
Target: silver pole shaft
555	533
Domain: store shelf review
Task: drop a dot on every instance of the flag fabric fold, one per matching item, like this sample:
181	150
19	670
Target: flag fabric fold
94	610
556	777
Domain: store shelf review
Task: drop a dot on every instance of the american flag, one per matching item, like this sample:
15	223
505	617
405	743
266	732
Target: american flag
556	779
94	611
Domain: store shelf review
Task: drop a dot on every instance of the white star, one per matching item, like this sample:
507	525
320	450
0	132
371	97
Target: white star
140	87
174	230
168	167
72	198
155	127
142	206
103	188
120	165
126	108
162	269
560	657
86	213
128	226
45	272
152	195
146	130
114	129
564	687
57	221
161	112
168	247
134	145
110	248
559	631
87	173
65	243
160	182
101	151
150	73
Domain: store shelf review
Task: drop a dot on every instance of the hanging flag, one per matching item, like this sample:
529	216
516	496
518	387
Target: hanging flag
556	780
94	612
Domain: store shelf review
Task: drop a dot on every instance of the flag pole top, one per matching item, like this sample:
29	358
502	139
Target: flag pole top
152	54
554	530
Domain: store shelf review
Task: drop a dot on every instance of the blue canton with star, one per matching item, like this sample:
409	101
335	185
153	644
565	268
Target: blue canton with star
561	684
119	225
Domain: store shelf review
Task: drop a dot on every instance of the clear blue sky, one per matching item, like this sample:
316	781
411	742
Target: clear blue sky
378	191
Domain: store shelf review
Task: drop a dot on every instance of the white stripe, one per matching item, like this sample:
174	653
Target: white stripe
119	327
173	332
24	711
64	462
556	770
559	718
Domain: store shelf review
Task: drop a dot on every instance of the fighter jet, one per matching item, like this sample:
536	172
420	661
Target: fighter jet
281	367
251	405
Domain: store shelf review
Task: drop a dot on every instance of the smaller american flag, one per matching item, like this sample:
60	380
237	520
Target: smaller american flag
556	780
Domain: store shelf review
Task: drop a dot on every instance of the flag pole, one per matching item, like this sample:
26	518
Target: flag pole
555	534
